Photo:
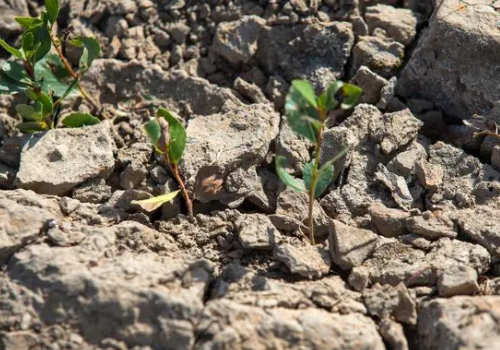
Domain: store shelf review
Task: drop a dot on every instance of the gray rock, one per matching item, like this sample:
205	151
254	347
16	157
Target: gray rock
256	231
23	216
81	285
176	90
295	206
458	280
459	322
277	89
68	157
350	246
427	75
237	41
229	324
307	261
431	226
429	175
397	185
399	24
481	226
94	190
382	56
393	262
10	10
371	83
394	130
385	301
312	52
393	334
404	163
231	144
389	222
251	91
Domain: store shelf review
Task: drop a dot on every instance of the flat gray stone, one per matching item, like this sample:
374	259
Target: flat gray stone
56	161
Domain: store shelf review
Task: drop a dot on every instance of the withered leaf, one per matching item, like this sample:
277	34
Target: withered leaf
208	182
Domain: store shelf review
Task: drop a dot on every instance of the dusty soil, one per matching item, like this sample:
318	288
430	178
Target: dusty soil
409	233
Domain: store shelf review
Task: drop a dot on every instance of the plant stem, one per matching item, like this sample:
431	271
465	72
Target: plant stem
73	74
314	179
175	172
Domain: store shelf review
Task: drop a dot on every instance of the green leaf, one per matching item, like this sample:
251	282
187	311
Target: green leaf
11	50
30	127
16	72
28	22
41	36
29	112
76	120
350	95
47	104
56	65
91	51
9	86
52	7
301	103
153	130
154	203
306	90
285	177
28	42
48	80
327	100
325	177
178	136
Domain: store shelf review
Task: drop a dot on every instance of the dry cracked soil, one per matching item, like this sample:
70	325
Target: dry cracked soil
409	237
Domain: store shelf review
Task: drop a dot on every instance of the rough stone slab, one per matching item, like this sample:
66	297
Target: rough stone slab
176	90
23	215
458	280
452	64
389	222
312	52
226	324
308	261
237	41
56	161
460	323
399	24
256	231
350	246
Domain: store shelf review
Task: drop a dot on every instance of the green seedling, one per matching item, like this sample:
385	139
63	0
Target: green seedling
307	114
40	70
168	136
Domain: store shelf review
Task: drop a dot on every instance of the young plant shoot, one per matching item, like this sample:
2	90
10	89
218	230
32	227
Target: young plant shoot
306	114
39	69
168	136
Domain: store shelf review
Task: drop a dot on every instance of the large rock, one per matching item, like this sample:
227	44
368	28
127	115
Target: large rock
23	216
399	24
138	299
229	325
229	146
350	246
312	52
452	63
176	90
237	41
56	161
460	323
307	261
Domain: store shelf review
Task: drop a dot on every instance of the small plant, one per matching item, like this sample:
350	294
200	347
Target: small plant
307	114
39	72
168	136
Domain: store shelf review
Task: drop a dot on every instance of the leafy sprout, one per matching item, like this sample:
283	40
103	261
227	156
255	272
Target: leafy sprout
38	69
306	114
